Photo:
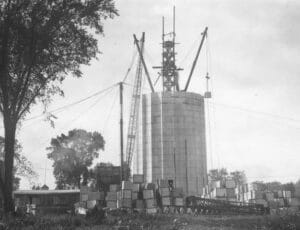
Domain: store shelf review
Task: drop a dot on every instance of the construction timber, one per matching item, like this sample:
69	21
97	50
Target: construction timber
212	206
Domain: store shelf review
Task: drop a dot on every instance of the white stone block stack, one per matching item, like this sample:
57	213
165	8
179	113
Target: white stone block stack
150	201
287	194
218	193
226	189
293	202
177	197
274	199
165	193
124	196
137	201
112	197
89	199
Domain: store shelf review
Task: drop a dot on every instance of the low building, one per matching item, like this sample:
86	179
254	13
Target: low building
47	201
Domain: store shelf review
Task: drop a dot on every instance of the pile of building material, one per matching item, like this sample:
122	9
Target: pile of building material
144	197
170	196
149	198
275	198
229	190
165	193
89	199
133	195
111	196
124	196
137	196
226	189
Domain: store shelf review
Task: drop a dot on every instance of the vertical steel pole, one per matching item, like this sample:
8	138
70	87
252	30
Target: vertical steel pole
186	167
174	151
121	132
162	53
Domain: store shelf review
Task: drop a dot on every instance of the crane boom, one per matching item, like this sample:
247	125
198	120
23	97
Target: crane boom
196	59
134	107
141	56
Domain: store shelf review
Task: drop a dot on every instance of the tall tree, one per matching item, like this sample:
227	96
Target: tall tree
218	174
239	177
72	155
41	41
22	167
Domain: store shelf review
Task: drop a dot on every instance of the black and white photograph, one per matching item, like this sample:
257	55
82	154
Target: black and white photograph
149	114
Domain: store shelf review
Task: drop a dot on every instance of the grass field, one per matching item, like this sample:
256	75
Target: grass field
155	222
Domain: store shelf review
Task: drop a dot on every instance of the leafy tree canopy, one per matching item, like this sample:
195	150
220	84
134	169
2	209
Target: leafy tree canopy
72	154
218	174
239	177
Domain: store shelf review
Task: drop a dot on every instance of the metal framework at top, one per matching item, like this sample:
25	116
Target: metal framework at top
169	70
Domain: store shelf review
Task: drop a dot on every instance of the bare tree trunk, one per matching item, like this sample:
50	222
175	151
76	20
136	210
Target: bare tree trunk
10	132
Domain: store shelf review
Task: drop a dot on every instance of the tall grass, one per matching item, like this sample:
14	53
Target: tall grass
97	220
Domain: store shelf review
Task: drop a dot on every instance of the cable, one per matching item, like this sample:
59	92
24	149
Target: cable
131	85
73	103
148	56
130	66
189	52
84	99
83	112
90	107
110	112
213	118
255	111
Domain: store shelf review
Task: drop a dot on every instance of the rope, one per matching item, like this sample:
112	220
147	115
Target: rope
131	64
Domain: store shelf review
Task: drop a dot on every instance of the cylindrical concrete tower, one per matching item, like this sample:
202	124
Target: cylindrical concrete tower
171	140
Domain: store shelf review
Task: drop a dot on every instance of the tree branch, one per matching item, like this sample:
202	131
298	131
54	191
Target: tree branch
20	92
19	112
23	91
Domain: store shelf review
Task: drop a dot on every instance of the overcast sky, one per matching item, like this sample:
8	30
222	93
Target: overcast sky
252	55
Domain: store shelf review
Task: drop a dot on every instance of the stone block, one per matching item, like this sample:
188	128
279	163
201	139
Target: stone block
150	203
127	185
114	187
124	203
166	201
151	211
96	196
135	187
138	178
111	204
148	194
124	194
111	196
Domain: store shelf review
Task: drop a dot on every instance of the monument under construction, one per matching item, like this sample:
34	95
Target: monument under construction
170	139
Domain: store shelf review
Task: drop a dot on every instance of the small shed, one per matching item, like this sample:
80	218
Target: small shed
47	201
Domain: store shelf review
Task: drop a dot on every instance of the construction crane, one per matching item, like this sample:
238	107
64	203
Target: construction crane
134	107
204	34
